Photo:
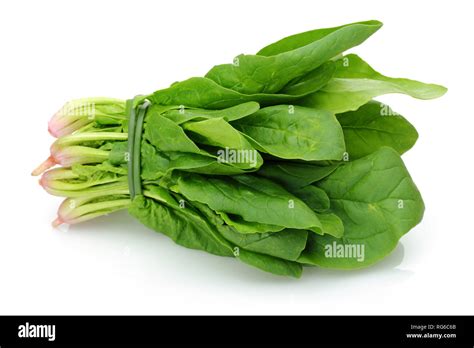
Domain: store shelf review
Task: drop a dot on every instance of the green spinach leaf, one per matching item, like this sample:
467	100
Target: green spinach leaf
184	226
377	202
296	175
355	83
254	199
271	264
268	74
294	132
374	125
232	113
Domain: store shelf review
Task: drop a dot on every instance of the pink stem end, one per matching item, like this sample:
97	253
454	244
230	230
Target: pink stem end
50	162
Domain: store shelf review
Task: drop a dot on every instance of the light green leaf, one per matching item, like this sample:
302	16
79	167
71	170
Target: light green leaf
355	83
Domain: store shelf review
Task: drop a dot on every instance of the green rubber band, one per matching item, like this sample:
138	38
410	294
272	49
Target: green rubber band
135	129
131	135
137	147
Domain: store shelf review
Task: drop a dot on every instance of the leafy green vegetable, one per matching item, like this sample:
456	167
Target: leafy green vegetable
280	160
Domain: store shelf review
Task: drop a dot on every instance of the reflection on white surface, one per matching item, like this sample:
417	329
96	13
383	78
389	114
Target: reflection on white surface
153	251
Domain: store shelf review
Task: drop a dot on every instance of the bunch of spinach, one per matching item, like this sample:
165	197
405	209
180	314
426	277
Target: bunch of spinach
273	159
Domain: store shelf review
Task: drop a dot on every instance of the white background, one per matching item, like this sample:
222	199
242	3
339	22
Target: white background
53	51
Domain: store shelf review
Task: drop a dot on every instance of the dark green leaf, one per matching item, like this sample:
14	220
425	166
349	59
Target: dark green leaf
374	125
183	225
295	175
201	92
378	203
314	197
268	74
229	114
254	199
294	132
271	264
